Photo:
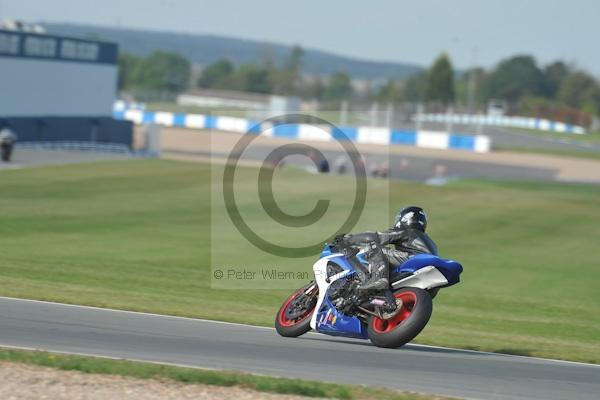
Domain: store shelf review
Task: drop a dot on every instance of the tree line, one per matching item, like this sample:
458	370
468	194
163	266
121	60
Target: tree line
160	71
170	72
518	81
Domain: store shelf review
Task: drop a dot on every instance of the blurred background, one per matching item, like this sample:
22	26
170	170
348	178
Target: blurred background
502	79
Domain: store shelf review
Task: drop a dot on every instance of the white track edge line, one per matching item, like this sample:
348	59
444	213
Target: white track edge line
271	328
76	353
133	312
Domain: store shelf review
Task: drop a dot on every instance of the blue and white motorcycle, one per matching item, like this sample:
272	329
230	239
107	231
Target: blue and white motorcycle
333	305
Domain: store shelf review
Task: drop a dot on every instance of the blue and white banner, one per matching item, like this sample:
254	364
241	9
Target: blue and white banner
362	134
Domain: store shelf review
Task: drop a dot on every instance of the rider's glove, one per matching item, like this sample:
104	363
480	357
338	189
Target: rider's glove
338	240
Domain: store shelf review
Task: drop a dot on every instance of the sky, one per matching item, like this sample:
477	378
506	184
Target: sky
472	32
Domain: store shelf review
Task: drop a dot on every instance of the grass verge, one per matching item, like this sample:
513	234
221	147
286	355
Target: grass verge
143	235
590	137
141	370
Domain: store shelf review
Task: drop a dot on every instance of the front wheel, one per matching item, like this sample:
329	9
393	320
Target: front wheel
293	318
407	324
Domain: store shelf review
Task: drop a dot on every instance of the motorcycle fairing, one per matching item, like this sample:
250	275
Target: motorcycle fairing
327	319
450	269
332	322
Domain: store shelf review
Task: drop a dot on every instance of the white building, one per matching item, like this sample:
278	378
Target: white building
265	105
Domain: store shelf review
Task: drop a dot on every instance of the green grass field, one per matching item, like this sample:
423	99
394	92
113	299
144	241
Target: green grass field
136	235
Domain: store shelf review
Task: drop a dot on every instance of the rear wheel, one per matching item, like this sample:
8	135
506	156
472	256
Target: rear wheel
407	324
293	318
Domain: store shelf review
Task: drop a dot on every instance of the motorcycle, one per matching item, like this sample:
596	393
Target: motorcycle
333	305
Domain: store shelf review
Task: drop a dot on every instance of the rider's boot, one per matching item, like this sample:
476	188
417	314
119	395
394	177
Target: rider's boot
392	305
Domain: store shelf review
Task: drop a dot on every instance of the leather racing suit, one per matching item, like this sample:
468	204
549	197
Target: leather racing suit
406	243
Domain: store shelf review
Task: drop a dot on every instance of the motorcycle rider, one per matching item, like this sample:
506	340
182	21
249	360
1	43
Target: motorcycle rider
7	141
408	238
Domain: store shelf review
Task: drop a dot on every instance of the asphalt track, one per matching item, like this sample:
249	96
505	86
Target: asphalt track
417	169
41	157
23	157
218	345
405	162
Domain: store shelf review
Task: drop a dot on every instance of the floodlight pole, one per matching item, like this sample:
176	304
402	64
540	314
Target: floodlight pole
472	84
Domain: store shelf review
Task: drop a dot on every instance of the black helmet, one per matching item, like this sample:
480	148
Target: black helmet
411	217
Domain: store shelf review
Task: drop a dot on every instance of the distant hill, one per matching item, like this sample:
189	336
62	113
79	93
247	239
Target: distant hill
204	49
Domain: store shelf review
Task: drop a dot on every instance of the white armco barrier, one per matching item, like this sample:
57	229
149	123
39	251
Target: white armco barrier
194	121
314	132
362	134
231	124
164	118
516	122
374	135
483	144
433	140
